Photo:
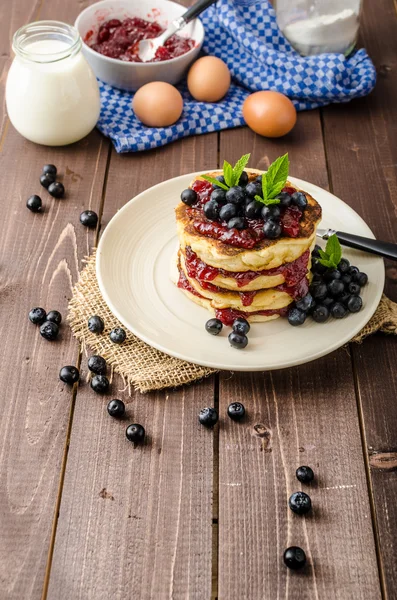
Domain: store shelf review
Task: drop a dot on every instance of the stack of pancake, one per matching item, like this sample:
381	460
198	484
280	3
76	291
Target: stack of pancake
258	283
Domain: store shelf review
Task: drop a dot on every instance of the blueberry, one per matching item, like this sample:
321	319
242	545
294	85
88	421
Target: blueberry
317	267
354	288
100	384
243	178
353	271
96	324
97	364
274	212
328	302
318	290
300	503
320	314
46	180
299	199
37	316
343	265
305	303
34	203
296	317
336	287
69	375
236	411
54	316
316	251
208	417
135	433
237	341
214	326
265	212
317	278
305	474
227	212
235	195
56	189
221	179
338	310
253	210
219	195
253	189
346	278
50	170
354	304
294	558
116	408
344	299
117	335
362	279
49	330
259	179
189	197
285	199
211	210
241	326
236	223
272	229
331	274
89	218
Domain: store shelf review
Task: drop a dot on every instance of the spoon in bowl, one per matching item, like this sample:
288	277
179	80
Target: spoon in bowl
147	48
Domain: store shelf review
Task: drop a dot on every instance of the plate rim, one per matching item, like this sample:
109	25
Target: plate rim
208	364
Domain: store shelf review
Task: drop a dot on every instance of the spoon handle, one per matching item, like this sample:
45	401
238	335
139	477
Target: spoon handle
196	10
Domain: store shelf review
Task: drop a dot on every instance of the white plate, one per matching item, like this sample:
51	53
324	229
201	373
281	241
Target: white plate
133	266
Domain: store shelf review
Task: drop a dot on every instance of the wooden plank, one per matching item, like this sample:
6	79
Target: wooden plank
305	415
154	539
362	157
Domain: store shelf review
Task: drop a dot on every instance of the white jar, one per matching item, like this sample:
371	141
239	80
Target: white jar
52	94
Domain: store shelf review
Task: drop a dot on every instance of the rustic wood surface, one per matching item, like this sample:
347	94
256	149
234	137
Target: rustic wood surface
193	514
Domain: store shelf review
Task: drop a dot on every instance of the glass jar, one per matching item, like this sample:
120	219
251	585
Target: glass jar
317	26
52	94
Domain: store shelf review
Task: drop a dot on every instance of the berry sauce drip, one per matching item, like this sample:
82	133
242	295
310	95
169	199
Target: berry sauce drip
247	238
293	272
120	39
229	315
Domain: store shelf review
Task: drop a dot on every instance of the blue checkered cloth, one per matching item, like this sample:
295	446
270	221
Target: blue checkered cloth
243	33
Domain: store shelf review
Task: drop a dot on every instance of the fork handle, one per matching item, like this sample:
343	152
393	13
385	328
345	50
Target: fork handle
385	249
196	10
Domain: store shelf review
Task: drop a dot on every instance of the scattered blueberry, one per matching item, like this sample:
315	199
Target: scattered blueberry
285	199
354	288
37	315
346	278
328	302
336	287
135	433
272	229
332	274
214	326
34	203
96	324
296	317
243	178
253	210
253	189
189	197
211	210
305	474
50	170
305	303
343	265
300	503
338	310
299	199
236	411
46	180
241	326
89	218
235	195
362	279
320	314
117	335
56	189
236	223
317	267
208	417
344	299
54	316
294	558
237	341
228	211
318	291
49	330
353	271
97	364
219	195
100	384
69	375
354	304
116	408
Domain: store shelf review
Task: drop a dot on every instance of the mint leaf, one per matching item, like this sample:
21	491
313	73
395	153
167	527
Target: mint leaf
268	201
333	248
228	173
277	175
215	182
239	168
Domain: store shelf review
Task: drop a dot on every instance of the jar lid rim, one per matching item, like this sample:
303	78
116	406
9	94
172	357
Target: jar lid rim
41	30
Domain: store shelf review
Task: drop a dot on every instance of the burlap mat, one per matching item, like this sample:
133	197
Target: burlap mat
144	367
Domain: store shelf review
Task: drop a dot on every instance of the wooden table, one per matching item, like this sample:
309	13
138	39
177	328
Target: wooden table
193	514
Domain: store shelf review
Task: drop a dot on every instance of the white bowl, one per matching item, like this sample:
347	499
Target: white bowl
129	75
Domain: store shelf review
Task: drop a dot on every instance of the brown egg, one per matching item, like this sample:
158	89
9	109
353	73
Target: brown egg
270	114
208	79
157	104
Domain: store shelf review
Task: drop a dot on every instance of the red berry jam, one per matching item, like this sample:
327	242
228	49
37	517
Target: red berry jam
290	221
229	315
120	39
